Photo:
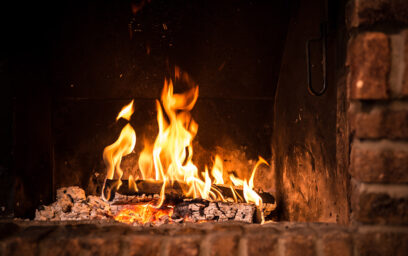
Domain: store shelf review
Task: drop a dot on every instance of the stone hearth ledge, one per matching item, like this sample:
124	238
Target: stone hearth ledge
283	238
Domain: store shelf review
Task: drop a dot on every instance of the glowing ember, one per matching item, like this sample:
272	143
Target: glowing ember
169	159
143	213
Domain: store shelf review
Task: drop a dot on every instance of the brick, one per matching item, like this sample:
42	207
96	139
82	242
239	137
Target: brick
369	64
379	162
382	244
262	244
62	246
138	245
371	12
404	89
380	123
224	244
337	243
108	245
19	246
298	243
376	204
184	246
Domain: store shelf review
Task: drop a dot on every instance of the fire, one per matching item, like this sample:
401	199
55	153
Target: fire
169	159
142	214
123	146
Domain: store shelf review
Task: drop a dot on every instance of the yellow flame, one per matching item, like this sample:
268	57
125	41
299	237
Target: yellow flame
251	196
260	161
123	146
126	112
132	184
236	181
217	170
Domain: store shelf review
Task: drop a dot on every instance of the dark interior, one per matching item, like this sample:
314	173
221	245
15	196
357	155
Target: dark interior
69	67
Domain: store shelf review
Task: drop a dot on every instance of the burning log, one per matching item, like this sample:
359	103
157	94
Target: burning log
195	210
172	190
202	210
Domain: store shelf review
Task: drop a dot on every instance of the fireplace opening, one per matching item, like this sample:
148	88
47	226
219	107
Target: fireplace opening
155	113
241	56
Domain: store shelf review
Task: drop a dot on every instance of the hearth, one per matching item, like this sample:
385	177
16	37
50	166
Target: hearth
153	127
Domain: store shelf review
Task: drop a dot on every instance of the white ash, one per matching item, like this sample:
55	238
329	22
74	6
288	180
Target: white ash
220	212
72	204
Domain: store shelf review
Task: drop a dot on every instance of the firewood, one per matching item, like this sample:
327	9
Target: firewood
202	210
174	189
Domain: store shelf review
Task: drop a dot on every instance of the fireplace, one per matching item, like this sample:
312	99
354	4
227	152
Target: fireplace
309	96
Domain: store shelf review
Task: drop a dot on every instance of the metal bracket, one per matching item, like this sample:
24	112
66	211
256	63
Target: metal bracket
323	39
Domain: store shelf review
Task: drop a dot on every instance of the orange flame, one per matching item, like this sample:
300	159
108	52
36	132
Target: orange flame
142	214
123	146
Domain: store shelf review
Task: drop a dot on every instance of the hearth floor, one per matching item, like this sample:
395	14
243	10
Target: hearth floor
110	238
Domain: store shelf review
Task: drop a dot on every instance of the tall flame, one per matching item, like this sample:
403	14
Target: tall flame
123	146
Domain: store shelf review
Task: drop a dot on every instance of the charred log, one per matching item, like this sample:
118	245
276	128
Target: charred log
175	189
202	210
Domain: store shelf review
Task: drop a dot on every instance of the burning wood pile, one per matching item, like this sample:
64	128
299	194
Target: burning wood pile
168	186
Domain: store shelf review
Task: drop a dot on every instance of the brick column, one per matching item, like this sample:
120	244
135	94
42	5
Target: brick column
377	84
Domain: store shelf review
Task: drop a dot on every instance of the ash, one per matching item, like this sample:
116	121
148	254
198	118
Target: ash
72	204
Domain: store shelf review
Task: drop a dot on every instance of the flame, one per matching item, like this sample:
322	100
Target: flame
217	170
169	158
251	196
142	214
126	112
132	184
123	146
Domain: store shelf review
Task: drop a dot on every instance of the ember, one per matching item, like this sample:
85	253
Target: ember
144	213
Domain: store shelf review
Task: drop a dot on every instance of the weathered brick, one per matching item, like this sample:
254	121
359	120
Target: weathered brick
379	162
299	243
107	245
380	204
224	244
184	246
262	244
369	63
337	243
61	246
19	246
138	245
381	244
380	122
370	12
404	89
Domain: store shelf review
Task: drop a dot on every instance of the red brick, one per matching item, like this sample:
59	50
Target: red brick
19	246
337	243
379	162
262	244
138	245
379	123
370	12
379	206
404	89
382	244
224	244
62	246
108	245
184	246
369	63
298	243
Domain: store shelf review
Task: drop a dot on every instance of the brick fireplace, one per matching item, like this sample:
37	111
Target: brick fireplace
338	162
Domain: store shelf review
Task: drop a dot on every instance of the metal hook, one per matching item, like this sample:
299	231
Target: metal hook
323	38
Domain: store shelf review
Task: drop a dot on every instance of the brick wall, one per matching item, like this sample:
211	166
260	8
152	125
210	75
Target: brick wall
24	238
377	82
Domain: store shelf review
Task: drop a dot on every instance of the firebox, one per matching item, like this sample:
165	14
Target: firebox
205	128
